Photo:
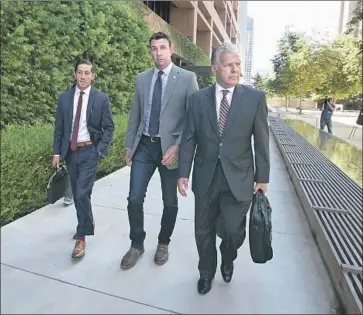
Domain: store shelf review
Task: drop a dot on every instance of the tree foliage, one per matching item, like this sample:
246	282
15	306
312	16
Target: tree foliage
286	46
263	83
41	40
304	66
357	17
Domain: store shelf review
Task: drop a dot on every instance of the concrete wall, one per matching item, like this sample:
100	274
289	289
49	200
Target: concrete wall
294	103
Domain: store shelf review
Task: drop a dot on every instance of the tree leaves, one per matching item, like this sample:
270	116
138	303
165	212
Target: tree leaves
41	40
305	66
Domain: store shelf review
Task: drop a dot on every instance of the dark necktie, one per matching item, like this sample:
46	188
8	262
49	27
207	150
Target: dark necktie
223	112
76	123
155	107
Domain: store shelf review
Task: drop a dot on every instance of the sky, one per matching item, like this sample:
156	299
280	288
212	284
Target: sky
271	17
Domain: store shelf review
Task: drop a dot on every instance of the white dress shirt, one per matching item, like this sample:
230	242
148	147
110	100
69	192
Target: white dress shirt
219	96
83	134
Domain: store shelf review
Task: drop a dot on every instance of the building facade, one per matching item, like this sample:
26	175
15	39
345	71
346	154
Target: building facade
346	14
242	22
249	52
204	24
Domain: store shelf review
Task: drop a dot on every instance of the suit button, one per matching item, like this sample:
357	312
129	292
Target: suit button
221	144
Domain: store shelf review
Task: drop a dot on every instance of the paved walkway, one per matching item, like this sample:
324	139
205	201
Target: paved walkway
39	276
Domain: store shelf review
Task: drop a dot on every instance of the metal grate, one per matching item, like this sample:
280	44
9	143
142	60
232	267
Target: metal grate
333	206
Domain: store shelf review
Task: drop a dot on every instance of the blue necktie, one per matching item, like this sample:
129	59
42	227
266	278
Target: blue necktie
155	107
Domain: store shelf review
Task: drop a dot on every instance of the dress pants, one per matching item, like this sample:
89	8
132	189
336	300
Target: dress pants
82	166
217	212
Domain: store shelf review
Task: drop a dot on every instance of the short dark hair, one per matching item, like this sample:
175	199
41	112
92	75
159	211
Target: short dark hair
83	61
329	99
159	35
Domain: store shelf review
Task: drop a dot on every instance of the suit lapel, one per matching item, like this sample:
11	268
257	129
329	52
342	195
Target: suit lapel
210	103
71	104
146	89
170	85
91	100
237	100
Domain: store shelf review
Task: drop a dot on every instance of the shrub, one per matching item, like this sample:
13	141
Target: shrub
40	41
26	166
205	80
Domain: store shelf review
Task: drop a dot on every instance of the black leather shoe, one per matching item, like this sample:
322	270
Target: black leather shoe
227	271
204	285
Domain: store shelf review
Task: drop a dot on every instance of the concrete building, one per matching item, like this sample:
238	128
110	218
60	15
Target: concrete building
345	16
205	24
242	22
249	52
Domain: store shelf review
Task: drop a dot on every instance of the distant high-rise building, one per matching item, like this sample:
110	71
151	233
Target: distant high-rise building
242	22
346	14
249	51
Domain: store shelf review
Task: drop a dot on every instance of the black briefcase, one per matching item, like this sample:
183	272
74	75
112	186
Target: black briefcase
260	229
57	184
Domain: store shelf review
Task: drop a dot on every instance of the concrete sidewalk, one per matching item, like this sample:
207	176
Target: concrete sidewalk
39	276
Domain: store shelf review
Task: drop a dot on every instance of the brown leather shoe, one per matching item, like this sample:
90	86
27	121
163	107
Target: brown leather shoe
79	249
130	258
161	254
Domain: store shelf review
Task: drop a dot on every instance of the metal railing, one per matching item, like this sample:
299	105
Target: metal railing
333	206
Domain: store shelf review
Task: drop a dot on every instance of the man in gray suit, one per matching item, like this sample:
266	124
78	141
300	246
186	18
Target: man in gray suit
221	122
152	141
83	131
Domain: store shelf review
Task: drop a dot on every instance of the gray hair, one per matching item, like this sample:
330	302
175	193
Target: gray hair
224	48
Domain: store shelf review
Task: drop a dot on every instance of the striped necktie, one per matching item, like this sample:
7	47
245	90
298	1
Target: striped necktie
223	112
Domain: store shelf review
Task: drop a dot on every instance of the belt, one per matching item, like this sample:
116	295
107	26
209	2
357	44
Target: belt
151	139
84	144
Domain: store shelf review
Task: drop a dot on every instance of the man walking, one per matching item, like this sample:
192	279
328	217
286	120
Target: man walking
152	141
221	122
327	113
82	134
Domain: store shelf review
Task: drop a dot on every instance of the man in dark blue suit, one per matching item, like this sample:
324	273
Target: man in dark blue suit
83	132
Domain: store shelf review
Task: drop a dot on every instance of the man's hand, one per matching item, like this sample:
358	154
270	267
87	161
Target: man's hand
128	157
56	161
261	186
183	186
170	156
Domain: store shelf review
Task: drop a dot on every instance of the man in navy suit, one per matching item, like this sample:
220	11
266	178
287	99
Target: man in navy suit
83	131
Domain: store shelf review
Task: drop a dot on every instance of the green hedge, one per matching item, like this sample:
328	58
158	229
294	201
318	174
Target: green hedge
26	166
205	80
40	40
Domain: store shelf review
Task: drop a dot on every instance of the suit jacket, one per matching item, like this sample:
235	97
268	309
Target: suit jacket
247	117
99	121
180	86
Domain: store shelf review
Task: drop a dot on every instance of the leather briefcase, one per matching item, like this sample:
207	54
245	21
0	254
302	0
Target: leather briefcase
57	184
260	229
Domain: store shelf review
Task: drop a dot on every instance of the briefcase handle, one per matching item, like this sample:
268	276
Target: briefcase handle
59	169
